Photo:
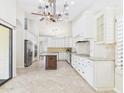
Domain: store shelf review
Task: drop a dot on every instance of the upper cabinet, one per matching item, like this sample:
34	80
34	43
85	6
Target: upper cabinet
99	26
59	42
105	25
84	26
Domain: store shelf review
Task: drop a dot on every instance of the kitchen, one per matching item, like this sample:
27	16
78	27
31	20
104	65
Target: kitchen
77	51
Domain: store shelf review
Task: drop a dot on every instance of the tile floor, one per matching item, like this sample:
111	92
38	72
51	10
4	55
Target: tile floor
35	79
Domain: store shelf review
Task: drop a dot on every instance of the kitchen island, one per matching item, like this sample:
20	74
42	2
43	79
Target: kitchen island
50	61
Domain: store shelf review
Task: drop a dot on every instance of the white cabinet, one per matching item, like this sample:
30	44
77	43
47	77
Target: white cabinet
68	57
67	42
62	56
105	26
84	26
99	74
60	42
104	74
51	42
102	50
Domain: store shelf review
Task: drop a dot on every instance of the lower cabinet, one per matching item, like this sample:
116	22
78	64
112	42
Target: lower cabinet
99	74
62	56
68	57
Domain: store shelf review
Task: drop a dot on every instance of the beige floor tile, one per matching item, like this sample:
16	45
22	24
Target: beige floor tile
35	79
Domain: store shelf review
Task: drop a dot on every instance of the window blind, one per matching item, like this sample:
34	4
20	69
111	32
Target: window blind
119	43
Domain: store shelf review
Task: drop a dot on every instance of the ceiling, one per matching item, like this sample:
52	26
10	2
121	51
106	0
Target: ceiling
74	9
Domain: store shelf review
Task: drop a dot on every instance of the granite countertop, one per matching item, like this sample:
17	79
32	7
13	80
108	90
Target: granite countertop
93	58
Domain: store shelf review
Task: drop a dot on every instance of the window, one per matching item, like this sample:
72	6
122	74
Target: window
119	46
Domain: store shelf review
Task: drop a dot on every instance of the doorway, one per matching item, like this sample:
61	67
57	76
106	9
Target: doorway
5	53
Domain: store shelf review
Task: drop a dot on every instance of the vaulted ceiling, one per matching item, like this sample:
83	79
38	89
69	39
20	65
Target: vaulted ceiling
75	6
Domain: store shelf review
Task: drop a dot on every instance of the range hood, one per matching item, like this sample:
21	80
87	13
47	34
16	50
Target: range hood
83	47
81	39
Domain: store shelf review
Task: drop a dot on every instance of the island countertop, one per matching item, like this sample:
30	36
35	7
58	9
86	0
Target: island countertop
46	54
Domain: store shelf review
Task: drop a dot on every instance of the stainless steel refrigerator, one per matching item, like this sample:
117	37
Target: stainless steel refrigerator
28	53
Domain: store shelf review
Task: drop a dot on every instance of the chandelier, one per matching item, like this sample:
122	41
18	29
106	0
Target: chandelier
48	11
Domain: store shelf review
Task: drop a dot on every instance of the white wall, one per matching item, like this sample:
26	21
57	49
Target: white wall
20	14
19	45
58	29
8	13
20	36
34	27
32	33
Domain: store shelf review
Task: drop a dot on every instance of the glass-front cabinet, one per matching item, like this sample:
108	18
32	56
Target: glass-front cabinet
105	26
100	28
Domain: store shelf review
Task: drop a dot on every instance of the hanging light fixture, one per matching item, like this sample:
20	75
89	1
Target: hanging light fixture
48	10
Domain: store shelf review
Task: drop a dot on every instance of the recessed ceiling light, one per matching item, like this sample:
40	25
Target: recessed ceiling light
72	2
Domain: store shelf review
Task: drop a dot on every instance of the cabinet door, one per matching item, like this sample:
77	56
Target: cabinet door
100	28
62	56
104	74
51	42
89	73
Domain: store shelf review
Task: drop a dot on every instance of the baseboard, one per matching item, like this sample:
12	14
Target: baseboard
103	89
19	66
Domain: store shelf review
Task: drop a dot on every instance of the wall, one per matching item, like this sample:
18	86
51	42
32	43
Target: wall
20	36
8	13
20	15
19	45
57	29
32	33
34	26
